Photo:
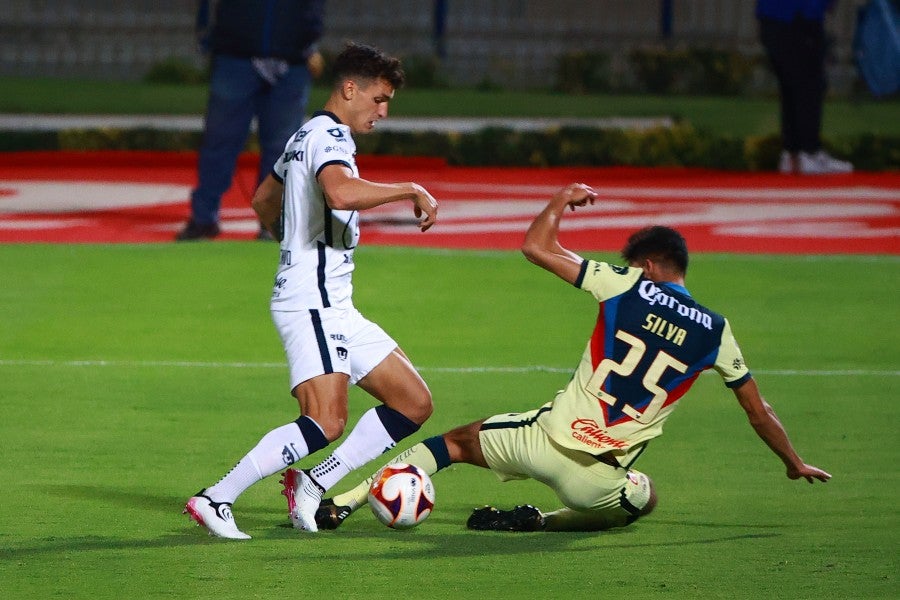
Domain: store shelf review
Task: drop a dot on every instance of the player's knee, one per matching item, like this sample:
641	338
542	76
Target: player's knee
427	405
323	399
464	445
332	428
420	406
638	497
651	502
332	422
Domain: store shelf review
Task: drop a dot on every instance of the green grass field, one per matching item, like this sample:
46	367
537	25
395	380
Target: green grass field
735	116
132	375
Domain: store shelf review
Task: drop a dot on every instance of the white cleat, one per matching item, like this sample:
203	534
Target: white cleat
215	516
303	497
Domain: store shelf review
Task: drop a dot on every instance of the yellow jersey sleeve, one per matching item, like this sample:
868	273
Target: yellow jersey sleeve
730	362
605	281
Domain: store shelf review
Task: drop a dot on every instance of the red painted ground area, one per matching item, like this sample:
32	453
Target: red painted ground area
143	197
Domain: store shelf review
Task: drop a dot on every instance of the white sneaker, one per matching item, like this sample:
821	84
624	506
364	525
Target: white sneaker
215	516
821	163
787	164
303	497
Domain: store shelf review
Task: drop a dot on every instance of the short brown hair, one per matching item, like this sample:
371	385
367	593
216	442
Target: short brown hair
369	63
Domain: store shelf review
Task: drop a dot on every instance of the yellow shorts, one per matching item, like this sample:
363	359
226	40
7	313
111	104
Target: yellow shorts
516	447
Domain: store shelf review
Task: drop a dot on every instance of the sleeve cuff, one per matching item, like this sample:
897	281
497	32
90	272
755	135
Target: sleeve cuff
581	274
739	382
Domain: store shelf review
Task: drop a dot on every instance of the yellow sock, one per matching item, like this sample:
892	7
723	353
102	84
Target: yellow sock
418	455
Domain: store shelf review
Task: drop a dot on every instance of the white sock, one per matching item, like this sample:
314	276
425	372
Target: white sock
278	449
368	440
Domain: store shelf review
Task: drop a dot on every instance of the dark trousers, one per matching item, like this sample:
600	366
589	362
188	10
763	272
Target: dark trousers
237	93
797	53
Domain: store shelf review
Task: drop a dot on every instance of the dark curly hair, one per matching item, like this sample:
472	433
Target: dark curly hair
659	243
368	63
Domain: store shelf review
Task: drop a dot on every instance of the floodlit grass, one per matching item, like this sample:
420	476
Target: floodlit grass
725	115
133	375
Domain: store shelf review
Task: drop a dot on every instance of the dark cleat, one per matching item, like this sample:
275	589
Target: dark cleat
330	516
195	231
521	518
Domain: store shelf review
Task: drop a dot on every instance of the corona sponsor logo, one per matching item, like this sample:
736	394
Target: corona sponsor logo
590	433
656	297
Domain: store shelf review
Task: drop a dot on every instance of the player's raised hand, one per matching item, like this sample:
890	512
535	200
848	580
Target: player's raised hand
576	194
424	205
808	472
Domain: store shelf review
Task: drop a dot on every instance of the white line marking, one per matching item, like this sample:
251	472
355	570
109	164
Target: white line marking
86	196
476	370
42	224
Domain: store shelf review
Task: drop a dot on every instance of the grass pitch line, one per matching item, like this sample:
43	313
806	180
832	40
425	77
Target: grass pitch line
461	370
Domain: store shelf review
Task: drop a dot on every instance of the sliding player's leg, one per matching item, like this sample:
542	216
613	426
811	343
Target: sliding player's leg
431	455
597	493
635	499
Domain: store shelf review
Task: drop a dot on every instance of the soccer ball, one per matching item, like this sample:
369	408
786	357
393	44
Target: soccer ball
401	496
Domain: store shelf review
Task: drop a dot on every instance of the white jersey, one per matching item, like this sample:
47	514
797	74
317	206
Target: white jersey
316	263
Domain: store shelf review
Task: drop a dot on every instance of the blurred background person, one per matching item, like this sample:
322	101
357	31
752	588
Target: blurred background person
793	34
263	57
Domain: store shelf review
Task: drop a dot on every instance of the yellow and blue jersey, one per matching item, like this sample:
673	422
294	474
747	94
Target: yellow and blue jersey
650	343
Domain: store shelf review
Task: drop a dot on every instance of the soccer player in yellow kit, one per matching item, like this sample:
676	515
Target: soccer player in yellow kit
650	343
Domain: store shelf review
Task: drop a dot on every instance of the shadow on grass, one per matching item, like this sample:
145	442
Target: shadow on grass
414	545
135	499
422	546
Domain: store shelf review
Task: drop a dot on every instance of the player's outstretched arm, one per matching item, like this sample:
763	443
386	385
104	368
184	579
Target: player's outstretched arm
542	245
343	191
767	426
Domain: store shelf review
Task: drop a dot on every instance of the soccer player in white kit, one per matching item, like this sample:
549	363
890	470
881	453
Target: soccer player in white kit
650	343
311	203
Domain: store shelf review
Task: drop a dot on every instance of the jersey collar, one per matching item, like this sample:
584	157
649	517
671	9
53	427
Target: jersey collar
327	113
676	287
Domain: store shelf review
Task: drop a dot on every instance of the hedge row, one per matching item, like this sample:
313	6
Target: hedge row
689	70
679	145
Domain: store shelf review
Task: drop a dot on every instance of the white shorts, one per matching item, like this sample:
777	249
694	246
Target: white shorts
331	340
516	447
